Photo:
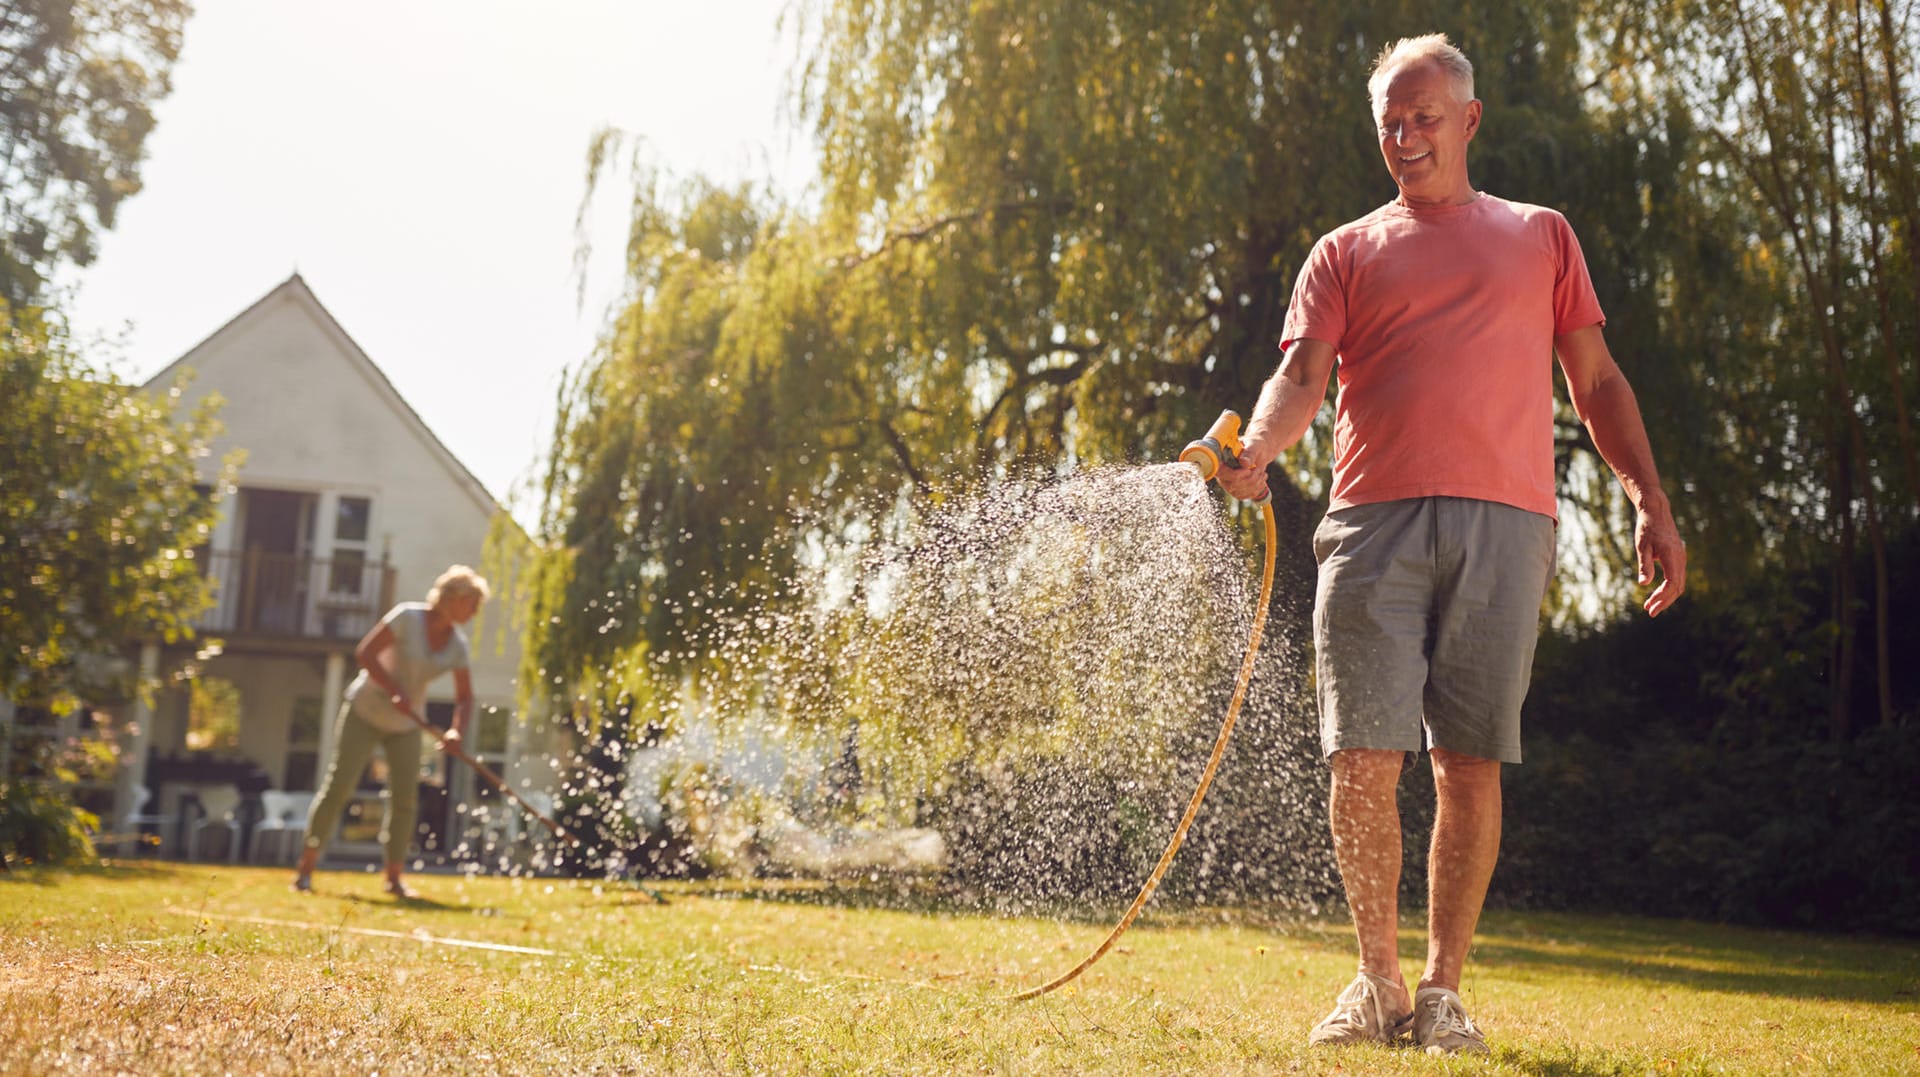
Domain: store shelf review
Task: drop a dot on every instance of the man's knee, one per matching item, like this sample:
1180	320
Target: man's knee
1456	773
1366	764
1367	772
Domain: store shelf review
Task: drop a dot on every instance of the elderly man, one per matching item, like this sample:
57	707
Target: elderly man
1443	309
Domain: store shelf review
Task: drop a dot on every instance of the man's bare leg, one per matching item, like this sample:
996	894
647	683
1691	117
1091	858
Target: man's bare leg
1466	843
1364	809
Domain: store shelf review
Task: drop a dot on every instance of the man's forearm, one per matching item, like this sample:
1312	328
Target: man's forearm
1282	415
1288	402
1607	406
1612	415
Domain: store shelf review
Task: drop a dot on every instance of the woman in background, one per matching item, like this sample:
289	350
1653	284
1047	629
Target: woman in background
413	644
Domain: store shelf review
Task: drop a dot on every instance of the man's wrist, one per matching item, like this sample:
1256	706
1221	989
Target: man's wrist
1653	501
1253	449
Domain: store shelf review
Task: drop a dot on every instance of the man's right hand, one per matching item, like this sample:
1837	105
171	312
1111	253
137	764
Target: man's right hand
1288	402
1246	482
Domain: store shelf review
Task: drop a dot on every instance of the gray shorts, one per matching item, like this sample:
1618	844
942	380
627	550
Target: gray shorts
1428	608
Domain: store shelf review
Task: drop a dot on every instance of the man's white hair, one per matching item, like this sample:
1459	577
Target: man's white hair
1409	50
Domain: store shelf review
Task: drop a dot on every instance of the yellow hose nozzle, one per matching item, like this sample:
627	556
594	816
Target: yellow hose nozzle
1221	444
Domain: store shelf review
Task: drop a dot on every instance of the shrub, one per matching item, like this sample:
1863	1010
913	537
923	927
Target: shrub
39	821
1813	834
39	826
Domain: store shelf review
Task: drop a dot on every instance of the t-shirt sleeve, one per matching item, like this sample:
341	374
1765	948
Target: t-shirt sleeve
1319	307
398	622
1575	306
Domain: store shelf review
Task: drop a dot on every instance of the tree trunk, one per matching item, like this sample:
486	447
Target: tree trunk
1889	342
1901	154
1789	192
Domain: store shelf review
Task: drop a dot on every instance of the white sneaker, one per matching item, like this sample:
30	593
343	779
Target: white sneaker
1441	1025
1361	1015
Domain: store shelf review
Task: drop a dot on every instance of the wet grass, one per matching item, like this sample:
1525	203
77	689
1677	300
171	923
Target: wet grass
174	968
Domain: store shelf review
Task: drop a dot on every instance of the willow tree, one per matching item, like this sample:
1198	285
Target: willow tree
1047	234
647	453
1116	198
1802	331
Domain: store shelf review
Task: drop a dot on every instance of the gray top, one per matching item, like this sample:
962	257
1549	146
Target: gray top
413	666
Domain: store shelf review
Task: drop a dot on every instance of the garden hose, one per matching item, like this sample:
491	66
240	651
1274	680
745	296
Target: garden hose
1216	447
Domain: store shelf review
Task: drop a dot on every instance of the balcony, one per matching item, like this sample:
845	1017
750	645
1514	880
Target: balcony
288	597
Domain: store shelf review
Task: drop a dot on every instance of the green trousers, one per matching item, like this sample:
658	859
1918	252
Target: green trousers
353	744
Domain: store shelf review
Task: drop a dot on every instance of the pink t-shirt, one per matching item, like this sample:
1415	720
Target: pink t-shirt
1444	322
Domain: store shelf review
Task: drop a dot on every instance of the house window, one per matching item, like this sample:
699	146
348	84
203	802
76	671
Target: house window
351	520
303	744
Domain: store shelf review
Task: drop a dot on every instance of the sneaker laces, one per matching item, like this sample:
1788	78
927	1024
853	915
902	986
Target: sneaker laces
1355	1008
1450	1018
1346	1018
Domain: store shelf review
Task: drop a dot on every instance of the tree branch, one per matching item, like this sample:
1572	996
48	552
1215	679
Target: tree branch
920	232
905	456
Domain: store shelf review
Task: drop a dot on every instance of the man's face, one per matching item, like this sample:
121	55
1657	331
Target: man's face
1424	130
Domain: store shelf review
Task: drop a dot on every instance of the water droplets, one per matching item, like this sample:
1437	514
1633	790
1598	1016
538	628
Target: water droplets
1012	692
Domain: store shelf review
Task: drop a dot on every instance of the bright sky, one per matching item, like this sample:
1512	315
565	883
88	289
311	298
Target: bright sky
420	163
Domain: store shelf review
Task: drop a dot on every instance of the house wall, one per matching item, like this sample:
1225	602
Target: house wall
269	688
313	414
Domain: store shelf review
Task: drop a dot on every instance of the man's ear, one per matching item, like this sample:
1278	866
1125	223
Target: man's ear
1473	118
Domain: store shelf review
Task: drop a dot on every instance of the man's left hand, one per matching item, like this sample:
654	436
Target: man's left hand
1656	541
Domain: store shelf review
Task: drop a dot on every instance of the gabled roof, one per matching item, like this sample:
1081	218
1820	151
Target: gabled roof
295	288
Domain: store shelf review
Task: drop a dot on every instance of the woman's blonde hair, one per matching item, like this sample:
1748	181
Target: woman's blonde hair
1407	50
457	581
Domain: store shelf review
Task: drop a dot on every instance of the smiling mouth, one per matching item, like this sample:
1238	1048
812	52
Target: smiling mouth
1421	156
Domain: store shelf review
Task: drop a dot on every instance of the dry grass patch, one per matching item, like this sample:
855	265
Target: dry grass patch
170	968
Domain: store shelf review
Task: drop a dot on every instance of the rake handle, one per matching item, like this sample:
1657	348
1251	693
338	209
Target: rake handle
460	753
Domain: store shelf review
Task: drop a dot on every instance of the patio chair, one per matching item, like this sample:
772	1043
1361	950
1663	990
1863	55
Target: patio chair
282	813
133	825
219	809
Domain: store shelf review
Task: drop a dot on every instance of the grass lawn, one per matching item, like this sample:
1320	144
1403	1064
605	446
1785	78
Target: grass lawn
156	968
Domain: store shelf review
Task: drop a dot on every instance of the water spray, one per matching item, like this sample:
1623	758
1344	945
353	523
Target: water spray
1221	445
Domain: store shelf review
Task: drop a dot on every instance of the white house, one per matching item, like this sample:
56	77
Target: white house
347	503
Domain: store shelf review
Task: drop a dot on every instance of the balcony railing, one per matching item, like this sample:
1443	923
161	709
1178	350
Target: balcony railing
292	597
